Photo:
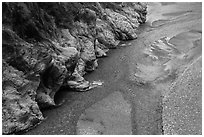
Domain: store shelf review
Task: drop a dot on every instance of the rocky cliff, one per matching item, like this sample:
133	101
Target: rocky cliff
46	46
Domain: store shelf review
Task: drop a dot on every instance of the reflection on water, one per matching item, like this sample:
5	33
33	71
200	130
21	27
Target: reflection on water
176	13
159	62
184	41
170	54
166	55
164	12
158	23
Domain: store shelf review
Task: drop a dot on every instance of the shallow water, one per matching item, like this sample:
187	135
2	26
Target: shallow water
184	41
135	78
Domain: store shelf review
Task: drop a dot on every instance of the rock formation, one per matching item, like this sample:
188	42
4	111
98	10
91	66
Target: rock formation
49	45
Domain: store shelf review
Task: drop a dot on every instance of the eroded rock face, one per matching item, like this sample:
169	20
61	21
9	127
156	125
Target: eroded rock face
19	108
50	45
105	34
121	25
123	19
38	59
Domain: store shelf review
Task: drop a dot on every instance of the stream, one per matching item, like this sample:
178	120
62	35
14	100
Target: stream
135	77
